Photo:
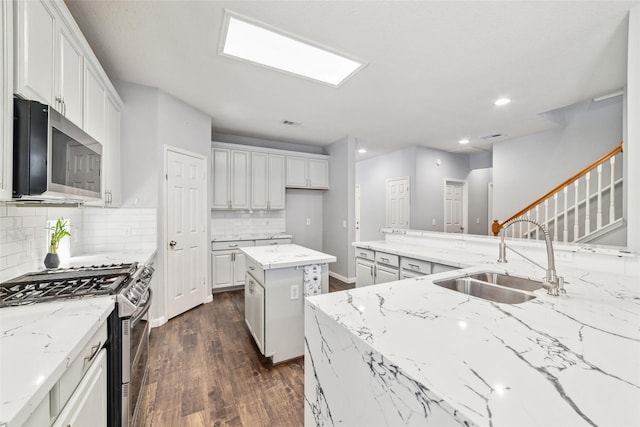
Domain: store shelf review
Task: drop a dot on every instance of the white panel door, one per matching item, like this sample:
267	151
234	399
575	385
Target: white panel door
453	208
186	231
398	203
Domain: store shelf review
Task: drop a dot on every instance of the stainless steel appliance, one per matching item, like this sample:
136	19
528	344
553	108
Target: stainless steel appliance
52	157
128	327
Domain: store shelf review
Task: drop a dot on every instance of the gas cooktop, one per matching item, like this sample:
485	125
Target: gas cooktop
76	282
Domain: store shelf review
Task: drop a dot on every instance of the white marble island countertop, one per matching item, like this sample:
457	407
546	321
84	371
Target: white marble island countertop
412	353
284	256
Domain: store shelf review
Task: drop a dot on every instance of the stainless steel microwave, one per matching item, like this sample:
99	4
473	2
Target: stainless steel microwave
52	157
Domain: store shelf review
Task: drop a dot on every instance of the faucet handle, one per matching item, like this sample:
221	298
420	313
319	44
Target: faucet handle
561	285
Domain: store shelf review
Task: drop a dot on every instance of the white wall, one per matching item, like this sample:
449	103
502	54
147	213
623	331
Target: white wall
338	217
632	133
303	205
528	167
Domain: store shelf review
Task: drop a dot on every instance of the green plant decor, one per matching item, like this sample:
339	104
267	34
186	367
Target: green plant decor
58	233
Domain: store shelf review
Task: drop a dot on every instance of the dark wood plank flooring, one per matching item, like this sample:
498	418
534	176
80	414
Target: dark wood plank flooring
205	370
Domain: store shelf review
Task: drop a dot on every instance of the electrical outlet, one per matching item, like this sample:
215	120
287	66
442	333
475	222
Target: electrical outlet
295	292
344	223
477	220
433	222
308	221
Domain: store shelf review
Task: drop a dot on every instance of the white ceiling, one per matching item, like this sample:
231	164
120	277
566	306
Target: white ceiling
434	68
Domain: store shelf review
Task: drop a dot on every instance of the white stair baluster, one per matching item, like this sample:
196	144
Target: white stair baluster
537	220
555	218
612	197
587	215
546	214
576	219
599	205
565	234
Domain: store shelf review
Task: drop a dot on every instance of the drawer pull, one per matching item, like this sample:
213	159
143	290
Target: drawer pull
363	254
251	268
233	246
384	259
94	351
416	267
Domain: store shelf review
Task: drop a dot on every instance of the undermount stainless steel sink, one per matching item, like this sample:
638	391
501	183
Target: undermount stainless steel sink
494	287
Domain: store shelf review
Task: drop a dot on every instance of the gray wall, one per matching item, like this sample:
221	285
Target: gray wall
528	167
478	181
338	230
303	204
151	119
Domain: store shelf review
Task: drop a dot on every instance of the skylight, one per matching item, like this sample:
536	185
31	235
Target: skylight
251	42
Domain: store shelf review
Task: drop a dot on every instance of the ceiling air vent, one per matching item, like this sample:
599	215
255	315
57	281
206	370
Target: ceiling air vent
289	123
494	135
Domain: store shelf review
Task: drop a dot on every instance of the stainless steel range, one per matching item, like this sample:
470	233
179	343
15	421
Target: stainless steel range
128	326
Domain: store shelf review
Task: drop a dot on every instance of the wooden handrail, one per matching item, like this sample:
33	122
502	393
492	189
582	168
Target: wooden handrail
497	226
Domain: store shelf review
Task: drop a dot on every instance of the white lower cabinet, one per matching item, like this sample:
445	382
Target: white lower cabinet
385	273
254	310
87	406
228	268
440	268
364	272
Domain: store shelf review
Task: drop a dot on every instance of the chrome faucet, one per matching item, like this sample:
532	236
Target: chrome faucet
552	282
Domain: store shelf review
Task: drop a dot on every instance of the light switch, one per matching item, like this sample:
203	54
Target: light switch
308	221
344	223
295	292
433	221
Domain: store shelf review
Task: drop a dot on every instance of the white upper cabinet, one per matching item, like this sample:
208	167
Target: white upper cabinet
94	104
303	172
230	179
6	99
69	77
267	181
35	39
111	159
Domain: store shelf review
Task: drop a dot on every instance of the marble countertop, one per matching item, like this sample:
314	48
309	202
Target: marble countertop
569	360
284	256
37	344
255	236
38	341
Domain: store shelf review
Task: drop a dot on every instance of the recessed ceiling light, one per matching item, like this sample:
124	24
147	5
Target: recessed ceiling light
362	150
244	39
463	141
501	101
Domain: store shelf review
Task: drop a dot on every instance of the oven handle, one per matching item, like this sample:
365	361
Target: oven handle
144	309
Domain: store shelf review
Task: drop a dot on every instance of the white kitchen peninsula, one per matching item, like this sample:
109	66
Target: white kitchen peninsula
414	354
277	280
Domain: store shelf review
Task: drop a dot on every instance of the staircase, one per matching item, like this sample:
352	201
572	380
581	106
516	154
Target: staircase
580	209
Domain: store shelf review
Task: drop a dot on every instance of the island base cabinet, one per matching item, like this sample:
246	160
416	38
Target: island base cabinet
364	272
275	313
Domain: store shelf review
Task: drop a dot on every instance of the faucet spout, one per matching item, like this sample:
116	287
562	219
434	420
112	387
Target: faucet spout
552	283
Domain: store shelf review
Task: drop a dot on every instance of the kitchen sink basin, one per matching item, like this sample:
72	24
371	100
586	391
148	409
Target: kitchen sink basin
512	282
496	292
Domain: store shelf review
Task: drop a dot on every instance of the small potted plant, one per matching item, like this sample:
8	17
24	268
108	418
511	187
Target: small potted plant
58	232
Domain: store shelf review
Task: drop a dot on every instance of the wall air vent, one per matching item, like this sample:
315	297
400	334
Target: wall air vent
494	135
289	123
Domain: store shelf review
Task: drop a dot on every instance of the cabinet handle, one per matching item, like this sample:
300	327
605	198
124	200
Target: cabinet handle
415	267
373	274
233	246
384	259
94	351
233	257
273	243
363	255
251	268
64	107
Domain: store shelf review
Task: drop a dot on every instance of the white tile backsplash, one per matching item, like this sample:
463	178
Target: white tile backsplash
234	223
23	233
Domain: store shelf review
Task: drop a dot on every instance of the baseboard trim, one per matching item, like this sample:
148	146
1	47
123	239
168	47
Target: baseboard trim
159	321
342	278
208	299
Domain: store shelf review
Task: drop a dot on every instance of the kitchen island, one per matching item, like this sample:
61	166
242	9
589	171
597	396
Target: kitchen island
277	280
412	353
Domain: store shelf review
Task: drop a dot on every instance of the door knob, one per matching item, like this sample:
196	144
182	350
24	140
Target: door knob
172	243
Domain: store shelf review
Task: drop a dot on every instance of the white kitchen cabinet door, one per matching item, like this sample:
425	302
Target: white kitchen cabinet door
240	179
87	406
296	172
111	157
275	184
94	104
364	272
440	268
221	176
386	274
69	69
34	73
254	310
318	173
259	180
6	100
222	269
239	268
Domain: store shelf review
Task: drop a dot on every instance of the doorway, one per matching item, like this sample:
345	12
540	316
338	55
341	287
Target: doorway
186	228
398	203
455	206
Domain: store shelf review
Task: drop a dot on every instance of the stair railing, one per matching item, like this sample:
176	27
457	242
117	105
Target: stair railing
580	205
